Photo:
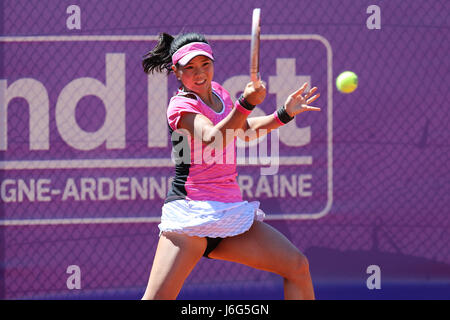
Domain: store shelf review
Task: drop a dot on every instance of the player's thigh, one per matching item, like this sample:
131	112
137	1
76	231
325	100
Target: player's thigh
262	247
175	257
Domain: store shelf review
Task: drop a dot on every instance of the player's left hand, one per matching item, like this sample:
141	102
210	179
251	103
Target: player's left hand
299	101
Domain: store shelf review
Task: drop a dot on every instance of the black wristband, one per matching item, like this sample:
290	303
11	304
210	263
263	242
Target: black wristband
283	115
244	103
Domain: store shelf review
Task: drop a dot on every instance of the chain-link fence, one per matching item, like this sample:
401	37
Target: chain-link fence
85	150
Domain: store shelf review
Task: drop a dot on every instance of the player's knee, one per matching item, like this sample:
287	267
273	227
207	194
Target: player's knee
299	266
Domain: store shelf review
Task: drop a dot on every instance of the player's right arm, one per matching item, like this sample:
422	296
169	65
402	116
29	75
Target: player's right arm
220	135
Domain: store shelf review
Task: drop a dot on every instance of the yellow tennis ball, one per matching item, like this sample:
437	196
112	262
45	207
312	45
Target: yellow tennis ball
347	82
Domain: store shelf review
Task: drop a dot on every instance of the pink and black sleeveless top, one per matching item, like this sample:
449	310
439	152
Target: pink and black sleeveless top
200	174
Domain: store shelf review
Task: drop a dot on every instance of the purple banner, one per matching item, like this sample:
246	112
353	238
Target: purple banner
97	129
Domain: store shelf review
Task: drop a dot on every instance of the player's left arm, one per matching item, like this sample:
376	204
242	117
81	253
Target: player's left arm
295	104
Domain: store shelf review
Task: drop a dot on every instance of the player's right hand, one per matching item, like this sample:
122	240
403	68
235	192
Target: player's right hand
254	95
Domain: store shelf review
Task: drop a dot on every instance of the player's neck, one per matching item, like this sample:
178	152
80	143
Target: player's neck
212	101
207	98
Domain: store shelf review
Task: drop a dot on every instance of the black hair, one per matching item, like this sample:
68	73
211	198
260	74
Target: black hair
160	57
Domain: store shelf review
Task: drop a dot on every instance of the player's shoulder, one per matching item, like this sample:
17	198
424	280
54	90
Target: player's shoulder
184	101
183	97
220	90
181	94
217	87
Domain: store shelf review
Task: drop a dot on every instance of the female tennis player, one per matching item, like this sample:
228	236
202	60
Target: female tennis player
204	213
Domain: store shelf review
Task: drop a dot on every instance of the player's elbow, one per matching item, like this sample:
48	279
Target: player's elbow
211	137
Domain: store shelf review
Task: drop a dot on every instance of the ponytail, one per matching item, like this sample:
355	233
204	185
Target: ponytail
160	58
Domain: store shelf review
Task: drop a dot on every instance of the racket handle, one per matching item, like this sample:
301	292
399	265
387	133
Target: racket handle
256	79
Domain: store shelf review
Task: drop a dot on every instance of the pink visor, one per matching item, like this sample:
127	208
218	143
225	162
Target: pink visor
183	55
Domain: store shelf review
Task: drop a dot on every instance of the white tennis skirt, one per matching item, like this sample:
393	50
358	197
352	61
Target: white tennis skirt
209	218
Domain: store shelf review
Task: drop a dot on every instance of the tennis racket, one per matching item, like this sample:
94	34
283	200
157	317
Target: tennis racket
254	48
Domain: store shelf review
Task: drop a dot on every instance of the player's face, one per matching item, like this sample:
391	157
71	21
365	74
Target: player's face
197	74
